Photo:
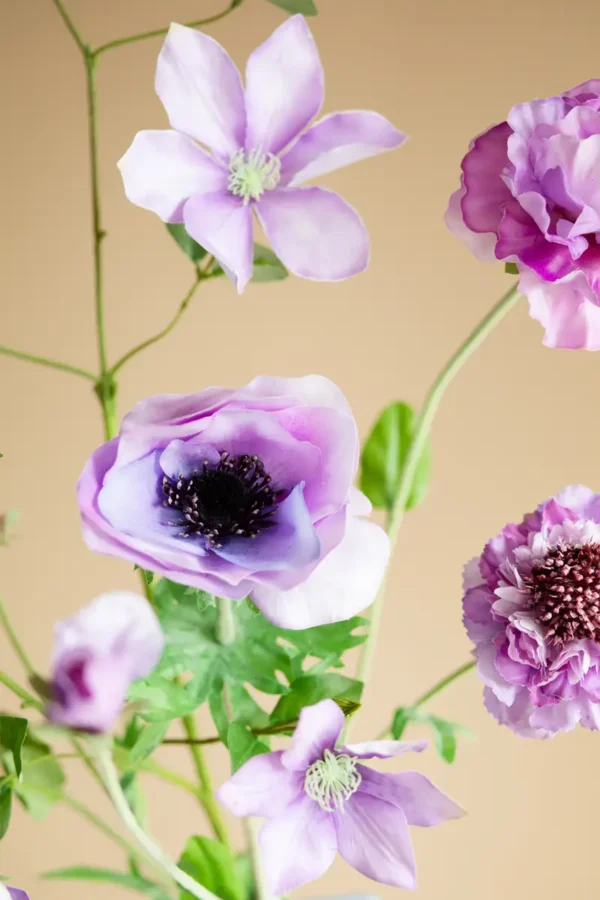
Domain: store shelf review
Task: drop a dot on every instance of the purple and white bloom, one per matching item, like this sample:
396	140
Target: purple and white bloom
255	154
530	195
241	493
532	608
320	800
11	893
98	653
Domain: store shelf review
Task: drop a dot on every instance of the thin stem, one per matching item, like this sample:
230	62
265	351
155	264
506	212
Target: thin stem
27	698
154	852
14	641
174	778
87	761
206	793
49	363
70	25
189	743
134	38
261	889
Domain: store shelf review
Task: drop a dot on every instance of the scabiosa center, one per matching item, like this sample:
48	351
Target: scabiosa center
232	498
565	592
252	173
332	780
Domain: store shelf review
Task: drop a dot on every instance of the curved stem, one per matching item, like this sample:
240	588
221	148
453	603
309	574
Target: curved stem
27	698
206	793
14	641
49	363
153	851
70	26
134	38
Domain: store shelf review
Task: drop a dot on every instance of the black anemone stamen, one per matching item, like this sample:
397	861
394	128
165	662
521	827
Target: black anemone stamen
232	498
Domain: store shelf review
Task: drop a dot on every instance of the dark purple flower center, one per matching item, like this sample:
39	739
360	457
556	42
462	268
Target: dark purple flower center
233	498
565	592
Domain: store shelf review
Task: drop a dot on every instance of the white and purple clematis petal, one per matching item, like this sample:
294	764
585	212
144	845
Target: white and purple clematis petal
260	152
319	800
97	654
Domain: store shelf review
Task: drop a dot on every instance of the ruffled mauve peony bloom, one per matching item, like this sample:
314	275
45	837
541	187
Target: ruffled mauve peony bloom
530	194
532	607
242	492
320	800
98	653
258	155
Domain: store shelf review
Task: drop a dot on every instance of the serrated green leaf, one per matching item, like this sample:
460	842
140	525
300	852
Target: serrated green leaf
5	808
147	741
310	689
189	246
245	709
511	268
106	876
384	455
243	745
304	7
42	778
212	864
12	735
163	700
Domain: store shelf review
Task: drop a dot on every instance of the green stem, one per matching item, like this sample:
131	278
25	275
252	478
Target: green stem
206	793
14	641
153	851
174	778
134	38
49	363
27	698
71	27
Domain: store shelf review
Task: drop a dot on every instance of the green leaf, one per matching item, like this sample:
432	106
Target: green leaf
218	711
163	700
310	689
106	876
305	7
245	709
402	716
511	268
243	745
42	778
211	864
445	732
5	808
148	575
12	735
189	246
148	740
244	871
267	266
384	456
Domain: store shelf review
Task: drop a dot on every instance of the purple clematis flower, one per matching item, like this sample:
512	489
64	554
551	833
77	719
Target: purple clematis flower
242	492
321	800
98	653
532	608
258	154
11	893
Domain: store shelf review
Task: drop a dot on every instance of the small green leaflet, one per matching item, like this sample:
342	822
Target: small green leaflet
266	266
511	268
384	455
305	7
5	808
243	745
213	865
189	246
12	735
310	689
445	731
106	876
40	785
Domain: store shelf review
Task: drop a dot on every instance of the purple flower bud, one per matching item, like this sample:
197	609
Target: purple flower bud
11	893
107	645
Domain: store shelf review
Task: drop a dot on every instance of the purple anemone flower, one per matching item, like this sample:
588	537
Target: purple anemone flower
530	195
242	492
258	155
98	653
321	800
532	608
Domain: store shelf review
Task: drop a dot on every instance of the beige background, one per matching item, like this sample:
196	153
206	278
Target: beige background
518	423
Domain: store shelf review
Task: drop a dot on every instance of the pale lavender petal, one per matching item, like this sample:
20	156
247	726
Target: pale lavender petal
342	585
162	169
318	729
338	140
261	787
383	749
13	893
201	90
221	224
284	86
373	838
297	846
315	233
312	390
419	799
570	319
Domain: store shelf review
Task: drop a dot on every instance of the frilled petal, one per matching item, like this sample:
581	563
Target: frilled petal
261	787
315	233
312	390
223	226
482	245
162	169
297	846
485	191
383	749
419	799
342	585
201	90
570	319
284	86
338	140
318	729
373	838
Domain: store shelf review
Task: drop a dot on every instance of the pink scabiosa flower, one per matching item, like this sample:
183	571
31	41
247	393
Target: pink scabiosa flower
530	195
532	607
242	492
320	800
98	653
258	156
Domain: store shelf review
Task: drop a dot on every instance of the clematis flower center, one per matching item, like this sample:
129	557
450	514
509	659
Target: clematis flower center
332	780
233	498
565	592
251	173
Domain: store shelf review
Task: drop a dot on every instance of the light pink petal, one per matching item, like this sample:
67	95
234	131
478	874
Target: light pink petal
284	87
261	787
419	799
315	233
201	90
570	319
524	118
383	749
342	585
338	140
313	390
162	169
318	729
373	838
297	846
223	226
482	245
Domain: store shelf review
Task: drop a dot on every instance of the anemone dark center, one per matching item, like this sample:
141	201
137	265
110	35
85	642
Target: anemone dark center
565	592
232	498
